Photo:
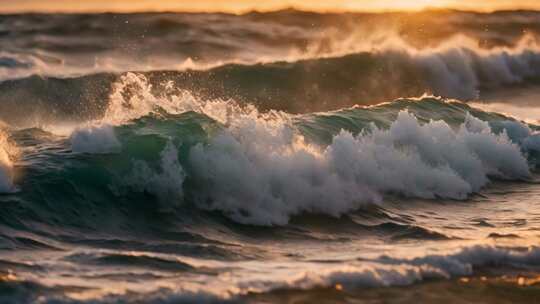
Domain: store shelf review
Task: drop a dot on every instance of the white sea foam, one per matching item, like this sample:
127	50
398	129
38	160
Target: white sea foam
262	172
132	98
386	271
518	132
96	139
456	68
349	277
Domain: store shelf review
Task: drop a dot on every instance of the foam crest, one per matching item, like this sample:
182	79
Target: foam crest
133	97
349	277
387	271
518	132
262	172
457	67
463	261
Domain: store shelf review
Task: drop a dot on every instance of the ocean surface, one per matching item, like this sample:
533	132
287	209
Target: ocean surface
281	157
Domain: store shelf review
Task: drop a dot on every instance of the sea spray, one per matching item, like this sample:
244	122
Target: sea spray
8	152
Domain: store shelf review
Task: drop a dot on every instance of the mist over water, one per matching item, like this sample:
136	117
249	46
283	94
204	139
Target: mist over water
194	158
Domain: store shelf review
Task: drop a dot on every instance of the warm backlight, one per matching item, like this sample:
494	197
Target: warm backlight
245	5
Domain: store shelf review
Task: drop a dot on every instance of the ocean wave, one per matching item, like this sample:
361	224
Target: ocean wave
263	168
68	44
457	68
259	168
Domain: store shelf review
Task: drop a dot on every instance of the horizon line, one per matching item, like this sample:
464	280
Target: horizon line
271	10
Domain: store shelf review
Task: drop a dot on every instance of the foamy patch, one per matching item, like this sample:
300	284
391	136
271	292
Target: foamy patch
99	139
518	132
463	261
132	98
387	271
348	277
262	172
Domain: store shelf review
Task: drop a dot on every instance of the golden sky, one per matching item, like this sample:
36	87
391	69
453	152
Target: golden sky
245	5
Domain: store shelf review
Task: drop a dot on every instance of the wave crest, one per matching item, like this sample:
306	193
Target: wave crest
264	176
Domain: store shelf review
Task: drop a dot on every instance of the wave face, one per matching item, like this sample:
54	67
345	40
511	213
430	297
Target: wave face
268	157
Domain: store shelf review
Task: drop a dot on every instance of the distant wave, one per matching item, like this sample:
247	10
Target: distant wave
454	70
288	60
59	45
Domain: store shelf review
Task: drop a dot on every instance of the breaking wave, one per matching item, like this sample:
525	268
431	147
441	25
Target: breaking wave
365	75
263	168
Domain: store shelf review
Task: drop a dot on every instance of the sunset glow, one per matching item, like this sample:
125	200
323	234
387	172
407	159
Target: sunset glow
238	6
